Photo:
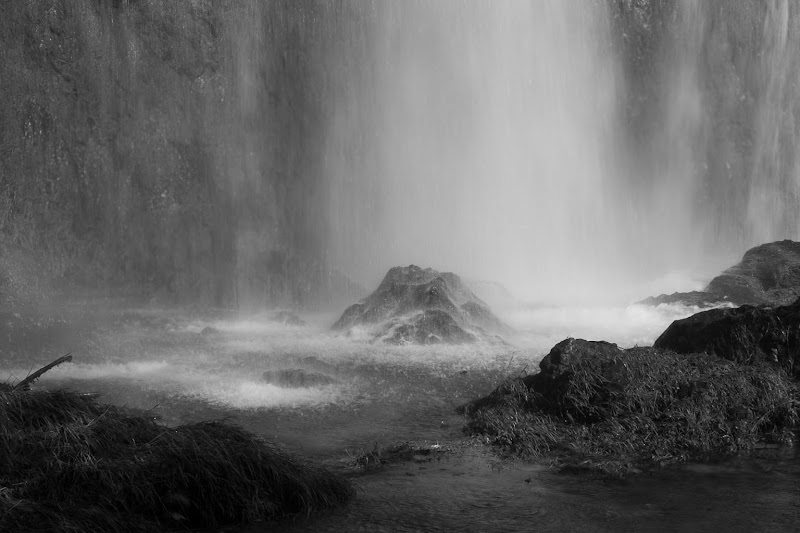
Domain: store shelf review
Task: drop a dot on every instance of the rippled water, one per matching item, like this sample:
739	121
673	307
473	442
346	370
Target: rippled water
159	360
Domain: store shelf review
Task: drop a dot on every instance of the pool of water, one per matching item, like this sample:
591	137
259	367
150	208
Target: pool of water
161	361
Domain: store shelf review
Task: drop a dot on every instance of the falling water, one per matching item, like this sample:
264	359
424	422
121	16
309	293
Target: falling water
485	135
543	145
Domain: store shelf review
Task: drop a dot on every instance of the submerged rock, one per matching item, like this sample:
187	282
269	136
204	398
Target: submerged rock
422	306
768	274
294	378
748	335
208	330
288	318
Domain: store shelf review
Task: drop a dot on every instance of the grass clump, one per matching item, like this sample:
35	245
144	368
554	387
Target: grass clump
640	407
68	463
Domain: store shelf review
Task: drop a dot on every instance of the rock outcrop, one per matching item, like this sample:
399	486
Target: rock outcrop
555	379
767	275
422	306
747	335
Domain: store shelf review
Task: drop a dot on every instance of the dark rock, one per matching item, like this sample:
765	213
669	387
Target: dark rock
412	302
552	384
694	298
559	388
290	378
767	275
428	327
288	318
747	335
571	351
208	330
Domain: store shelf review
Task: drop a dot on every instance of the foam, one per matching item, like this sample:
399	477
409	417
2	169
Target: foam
225	370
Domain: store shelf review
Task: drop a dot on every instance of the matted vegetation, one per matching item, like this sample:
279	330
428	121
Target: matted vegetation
68	463
639	407
396	453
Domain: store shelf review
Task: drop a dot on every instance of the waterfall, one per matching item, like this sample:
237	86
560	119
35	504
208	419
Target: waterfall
572	150
479	137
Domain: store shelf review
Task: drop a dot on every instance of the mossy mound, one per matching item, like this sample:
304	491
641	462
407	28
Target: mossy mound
618	410
68	463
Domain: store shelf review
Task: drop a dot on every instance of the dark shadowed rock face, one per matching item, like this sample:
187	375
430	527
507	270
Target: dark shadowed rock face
416	305
748	335
554	382
570	352
564	359
767	275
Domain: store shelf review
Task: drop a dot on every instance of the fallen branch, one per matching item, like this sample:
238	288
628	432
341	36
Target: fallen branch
26	383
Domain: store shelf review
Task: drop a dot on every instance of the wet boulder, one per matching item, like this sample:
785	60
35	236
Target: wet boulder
295	378
555	381
768	274
422	306
747	335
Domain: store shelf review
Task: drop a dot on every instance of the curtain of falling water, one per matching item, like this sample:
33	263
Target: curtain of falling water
479	137
514	141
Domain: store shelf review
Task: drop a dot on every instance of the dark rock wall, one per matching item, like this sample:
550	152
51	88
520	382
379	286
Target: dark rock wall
167	146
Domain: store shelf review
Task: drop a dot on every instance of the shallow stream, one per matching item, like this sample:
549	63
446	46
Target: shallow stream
160	360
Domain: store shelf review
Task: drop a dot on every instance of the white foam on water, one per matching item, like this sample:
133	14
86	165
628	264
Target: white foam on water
251	394
628	326
226	369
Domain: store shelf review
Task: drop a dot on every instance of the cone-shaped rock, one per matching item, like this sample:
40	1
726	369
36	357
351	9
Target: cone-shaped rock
422	306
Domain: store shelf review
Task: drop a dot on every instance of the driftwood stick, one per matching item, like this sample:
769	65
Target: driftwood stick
25	384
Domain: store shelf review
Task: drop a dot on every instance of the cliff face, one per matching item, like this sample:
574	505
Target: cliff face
168	146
